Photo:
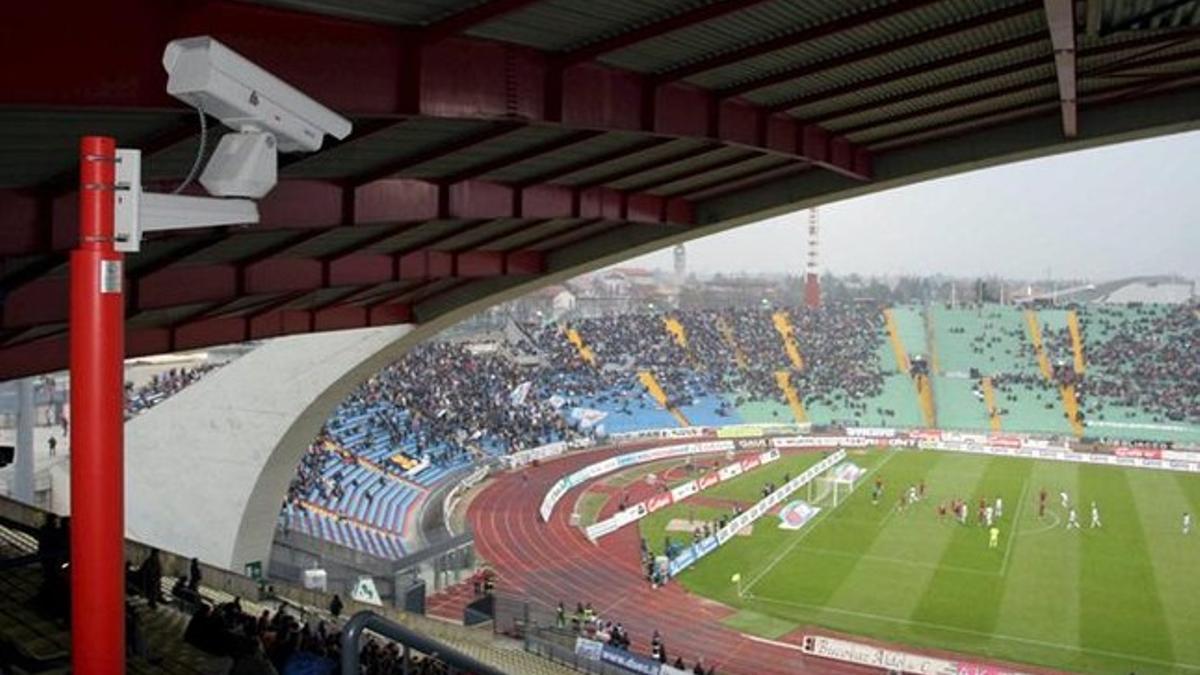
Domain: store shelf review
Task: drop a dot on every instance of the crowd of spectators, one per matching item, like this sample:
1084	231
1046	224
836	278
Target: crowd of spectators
586	622
161	386
1149	361
282	644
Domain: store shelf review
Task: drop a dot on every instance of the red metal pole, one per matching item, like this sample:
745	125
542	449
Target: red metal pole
97	336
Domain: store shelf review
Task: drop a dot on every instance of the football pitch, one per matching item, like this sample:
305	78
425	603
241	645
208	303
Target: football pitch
1121	598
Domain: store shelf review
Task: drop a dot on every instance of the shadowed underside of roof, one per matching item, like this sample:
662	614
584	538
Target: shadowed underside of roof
497	144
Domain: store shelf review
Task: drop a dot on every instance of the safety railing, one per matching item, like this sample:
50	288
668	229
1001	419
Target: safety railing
409	641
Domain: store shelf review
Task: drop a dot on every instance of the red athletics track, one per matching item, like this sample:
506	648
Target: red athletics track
549	562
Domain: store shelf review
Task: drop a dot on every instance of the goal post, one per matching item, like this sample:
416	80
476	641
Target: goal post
835	484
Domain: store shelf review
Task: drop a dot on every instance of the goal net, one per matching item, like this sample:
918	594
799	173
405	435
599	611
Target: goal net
836	484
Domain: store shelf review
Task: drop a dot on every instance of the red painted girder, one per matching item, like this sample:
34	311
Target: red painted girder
808	69
473	16
394	75
45	300
1060	17
313	207
40	356
806	34
904	73
655	29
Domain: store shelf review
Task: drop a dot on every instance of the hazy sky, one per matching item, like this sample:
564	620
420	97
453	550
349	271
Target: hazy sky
1120	210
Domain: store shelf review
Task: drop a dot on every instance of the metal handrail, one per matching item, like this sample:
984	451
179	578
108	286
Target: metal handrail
352	634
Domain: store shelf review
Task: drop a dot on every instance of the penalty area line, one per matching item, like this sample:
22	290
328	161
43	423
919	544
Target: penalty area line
745	590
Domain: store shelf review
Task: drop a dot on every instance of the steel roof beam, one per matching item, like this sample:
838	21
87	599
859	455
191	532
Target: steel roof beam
697	171
801	36
518	156
1060	17
638	169
592	162
489	133
742	179
808	69
471	17
654	29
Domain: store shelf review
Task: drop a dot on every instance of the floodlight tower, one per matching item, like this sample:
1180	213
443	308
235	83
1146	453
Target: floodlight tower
812	280
680	254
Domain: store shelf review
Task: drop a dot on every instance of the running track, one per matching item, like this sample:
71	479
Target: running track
549	562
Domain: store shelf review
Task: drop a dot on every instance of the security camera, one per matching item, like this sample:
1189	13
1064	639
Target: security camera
267	116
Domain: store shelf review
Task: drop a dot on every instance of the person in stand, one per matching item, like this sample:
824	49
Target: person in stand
560	620
151	578
335	606
53	443
194	576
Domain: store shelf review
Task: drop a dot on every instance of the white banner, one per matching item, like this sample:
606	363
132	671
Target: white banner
892	660
677	494
705	546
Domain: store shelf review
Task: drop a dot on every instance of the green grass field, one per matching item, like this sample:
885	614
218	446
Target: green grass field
1123	598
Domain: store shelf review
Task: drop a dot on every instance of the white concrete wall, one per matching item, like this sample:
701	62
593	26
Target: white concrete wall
207	470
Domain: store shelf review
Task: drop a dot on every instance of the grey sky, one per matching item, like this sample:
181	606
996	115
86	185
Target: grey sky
1106	213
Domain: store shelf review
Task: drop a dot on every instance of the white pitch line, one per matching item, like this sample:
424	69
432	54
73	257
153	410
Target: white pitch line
1008	548
812	526
975	633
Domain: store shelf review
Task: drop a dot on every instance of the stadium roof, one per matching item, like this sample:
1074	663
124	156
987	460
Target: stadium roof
506	143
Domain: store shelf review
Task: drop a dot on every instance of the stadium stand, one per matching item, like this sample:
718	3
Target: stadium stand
447	405
183	617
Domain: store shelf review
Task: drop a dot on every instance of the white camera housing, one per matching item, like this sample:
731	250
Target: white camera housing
206	74
267	115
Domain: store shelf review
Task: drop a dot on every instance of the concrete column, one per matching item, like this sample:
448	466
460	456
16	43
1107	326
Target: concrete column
22	486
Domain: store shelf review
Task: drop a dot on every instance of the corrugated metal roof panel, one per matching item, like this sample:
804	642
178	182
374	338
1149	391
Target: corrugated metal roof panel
384	148
556	25
496	148
753	25
707	159
837	51
242	246
338	239
474	235
1123	14
644	158
424	234
36	146
946	118
751	164
881	115
898	87
594	147
374	11
526	234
